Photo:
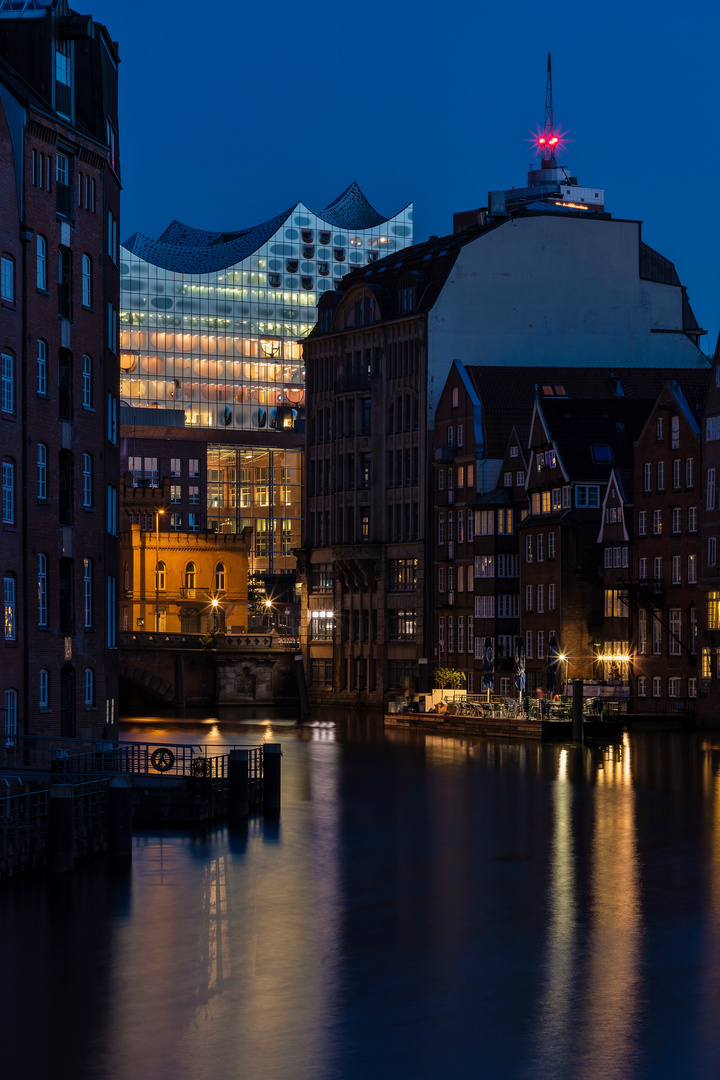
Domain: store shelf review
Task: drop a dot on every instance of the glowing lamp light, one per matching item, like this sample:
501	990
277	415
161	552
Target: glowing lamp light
214	601
268	604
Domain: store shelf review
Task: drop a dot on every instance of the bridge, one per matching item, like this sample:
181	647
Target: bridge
254	667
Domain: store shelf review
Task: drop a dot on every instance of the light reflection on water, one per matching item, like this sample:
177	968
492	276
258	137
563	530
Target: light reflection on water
424	907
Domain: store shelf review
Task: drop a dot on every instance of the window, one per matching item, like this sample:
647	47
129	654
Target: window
402	625
87	481
705	664
41	367
656	636
587	495
403	575
541	644
505	522
112	418
540	547
535	502
193	494
710	490
190	576
176	493
642	686
661	475
674	432
675	635
508	606
712	551
692	569
642	632
441	528
689	472
41	263
647	476
112	510
87	386
461	434
160	577
520	478
441	579
485	522
193	523
692	519
566	497
87	592
112	328
657	522
112	235
528	645
556	499
8	486
470	476
451	436
540	599
87	281
642	523
616	606
551	597
676	473
676	520
42	471
692	687
8	383
11	712
176	466
485	566
176	522
507	479
455	397
220	577
193	467
7	279
676	570
528	549
89	688
9	622
321	672
44	689
42	590
484	607
657	568
657	686
659	428
528	597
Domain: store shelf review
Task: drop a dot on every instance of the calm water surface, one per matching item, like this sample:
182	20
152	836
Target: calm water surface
424	908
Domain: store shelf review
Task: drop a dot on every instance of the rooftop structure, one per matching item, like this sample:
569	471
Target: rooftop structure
211	321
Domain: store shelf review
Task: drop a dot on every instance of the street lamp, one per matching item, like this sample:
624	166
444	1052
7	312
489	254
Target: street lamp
566	658
157	569
215	613
268	611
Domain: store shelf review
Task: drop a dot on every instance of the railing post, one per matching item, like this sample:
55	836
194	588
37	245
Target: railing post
61	853
272	759
120	816
239	785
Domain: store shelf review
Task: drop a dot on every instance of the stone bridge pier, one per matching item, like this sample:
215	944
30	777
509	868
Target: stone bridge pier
190	669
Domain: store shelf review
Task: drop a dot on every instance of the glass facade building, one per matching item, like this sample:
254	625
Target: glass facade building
211	322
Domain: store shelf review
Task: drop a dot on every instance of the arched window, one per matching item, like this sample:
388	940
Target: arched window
190	575
87	386
160	577
88	591
42	263
87	481
89	686
220	577
9	622
11	700
41	366
42	471
44	687
87	281
42	590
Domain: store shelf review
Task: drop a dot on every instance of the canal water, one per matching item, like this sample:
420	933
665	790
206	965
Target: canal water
424	908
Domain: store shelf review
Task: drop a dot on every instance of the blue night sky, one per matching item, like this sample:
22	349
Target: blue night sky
233	112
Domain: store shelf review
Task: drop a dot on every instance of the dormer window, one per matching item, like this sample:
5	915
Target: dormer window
407	298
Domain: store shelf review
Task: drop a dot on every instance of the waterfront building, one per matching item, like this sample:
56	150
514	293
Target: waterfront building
708	603
211	328
516	292
59	302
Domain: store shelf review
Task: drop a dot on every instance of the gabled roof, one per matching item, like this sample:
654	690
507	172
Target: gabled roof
575	427
507	394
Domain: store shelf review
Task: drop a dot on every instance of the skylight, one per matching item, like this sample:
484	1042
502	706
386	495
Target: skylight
601	452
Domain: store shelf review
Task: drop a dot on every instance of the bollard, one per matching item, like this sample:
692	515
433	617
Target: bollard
120	816
577	710
239	785
61	838
272	758
302	689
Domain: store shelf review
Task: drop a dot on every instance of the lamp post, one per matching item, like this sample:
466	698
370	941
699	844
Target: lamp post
214	603
566	658
157	571
268	612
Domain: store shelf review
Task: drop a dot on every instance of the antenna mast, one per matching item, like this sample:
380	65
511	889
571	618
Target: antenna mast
549	140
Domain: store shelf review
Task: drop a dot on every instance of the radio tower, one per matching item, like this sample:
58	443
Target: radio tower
549	139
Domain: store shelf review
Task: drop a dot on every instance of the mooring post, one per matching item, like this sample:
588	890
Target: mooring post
120	816
272	758
302	689
239	785
61	838
577	711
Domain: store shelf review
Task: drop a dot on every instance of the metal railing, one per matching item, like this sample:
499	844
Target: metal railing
24	831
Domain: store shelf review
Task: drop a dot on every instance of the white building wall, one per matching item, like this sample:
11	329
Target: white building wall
555	291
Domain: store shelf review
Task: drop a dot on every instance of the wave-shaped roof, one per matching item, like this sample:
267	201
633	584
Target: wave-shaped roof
187	250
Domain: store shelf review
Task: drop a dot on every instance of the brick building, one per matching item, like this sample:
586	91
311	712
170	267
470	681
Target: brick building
60	199
667	549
